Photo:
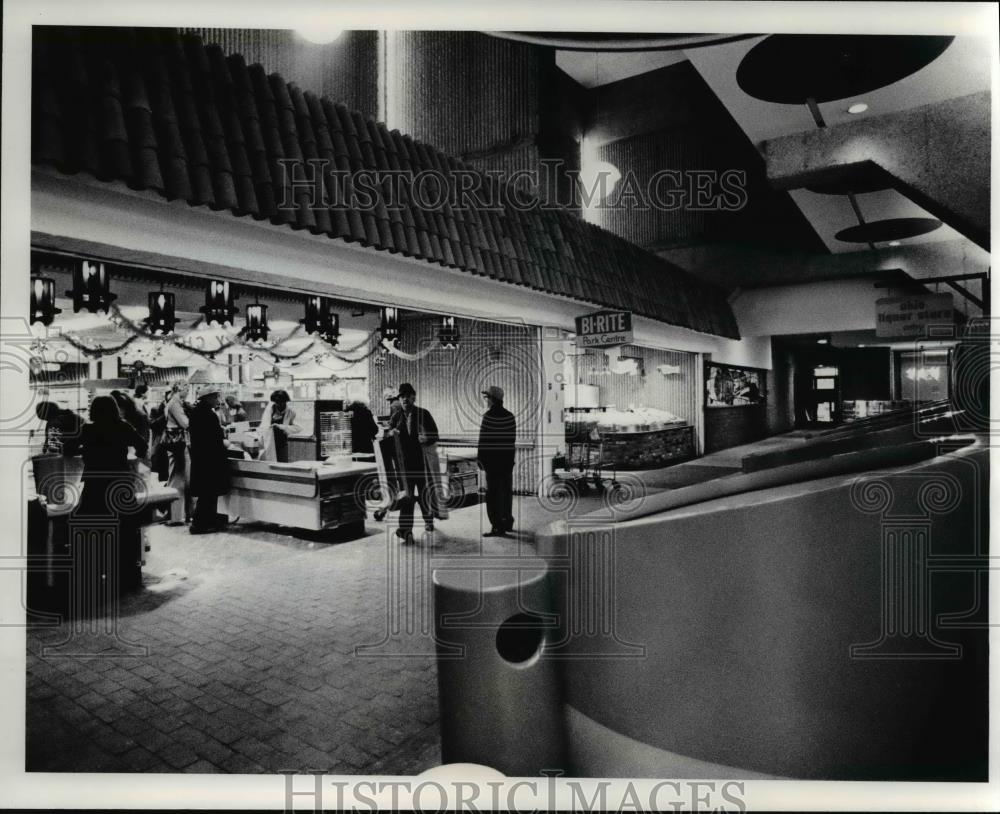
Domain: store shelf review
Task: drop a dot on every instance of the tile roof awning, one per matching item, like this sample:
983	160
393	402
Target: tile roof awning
165	113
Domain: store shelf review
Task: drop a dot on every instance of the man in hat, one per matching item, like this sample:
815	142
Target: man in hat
496	458
416	430
209	461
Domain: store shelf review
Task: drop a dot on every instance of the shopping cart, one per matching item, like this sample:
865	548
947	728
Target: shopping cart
586	466
391	476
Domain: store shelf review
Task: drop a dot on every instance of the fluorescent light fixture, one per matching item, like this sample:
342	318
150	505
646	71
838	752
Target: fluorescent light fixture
893	242
857	107
822	341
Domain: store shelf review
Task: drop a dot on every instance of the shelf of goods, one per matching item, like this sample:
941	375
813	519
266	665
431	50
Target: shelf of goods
304	494
633	439
460	469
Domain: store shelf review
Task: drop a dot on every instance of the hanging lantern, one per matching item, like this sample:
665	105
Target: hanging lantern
256	328
162	318
91	287
321	321
448	334
390	324
43	300
219	307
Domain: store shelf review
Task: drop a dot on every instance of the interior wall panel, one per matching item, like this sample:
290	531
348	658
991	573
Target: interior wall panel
449	383
345	70
468	94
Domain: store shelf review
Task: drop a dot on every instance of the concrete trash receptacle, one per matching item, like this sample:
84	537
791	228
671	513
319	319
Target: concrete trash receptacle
500	697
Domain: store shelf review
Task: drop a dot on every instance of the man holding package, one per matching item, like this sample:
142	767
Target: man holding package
417	435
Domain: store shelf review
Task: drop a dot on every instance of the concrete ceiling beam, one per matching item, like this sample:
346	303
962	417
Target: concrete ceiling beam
937	155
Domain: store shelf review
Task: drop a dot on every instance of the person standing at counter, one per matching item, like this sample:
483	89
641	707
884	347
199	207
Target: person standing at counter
209	462
60	426
131	413
497	435
175	438
416	430
279	418
363	427
109	487
230	411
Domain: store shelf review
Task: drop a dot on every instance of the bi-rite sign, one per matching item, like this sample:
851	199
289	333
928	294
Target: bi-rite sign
604	329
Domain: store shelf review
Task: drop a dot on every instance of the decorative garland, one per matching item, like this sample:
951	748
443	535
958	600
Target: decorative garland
410	357
92	352
261	353
290	356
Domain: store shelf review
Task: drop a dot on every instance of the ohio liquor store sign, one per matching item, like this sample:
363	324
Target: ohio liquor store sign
911	316
604	329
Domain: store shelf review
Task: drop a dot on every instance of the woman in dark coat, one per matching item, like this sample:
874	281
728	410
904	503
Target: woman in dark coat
132	415
209	462
363	427
104	529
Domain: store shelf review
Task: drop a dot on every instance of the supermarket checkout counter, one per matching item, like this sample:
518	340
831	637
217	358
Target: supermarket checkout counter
311	495
52	489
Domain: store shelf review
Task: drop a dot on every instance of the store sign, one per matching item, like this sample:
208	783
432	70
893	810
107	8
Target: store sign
604	329
131	370
910	316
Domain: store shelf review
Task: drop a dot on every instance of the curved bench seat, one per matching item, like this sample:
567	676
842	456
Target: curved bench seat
784	622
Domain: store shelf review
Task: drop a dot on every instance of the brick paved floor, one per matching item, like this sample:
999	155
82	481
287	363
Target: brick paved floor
239	656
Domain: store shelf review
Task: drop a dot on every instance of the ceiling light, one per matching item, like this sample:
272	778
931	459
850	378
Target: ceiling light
219	307
91	287
448	334
893	242
822	341
857	107
43	300
320	33
862	346
256	328
162	315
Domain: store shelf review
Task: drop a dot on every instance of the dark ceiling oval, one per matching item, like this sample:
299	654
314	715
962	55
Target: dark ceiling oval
598	41
882	231
791	68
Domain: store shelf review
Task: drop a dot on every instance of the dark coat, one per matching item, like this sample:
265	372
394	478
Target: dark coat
497	435
105	467
209	461
413	453
363	428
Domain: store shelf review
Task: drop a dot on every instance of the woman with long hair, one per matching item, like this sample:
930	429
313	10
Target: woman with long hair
175	437
131	413
104	524
276	424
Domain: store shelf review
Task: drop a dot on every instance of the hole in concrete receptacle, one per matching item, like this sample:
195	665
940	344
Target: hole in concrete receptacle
519	637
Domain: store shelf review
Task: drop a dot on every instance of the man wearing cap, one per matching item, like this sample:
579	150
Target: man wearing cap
415	428
496	458
209	461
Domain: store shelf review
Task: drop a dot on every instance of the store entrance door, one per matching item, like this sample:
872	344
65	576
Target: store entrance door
826	394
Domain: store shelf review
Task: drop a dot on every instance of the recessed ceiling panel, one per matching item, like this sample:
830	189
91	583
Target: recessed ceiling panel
791	68
882	231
